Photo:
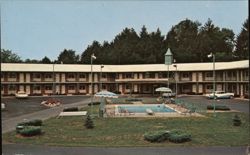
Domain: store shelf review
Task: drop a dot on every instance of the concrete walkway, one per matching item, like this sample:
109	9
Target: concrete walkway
10	124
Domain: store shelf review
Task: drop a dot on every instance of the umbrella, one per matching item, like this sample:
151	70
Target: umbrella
106	94
163	89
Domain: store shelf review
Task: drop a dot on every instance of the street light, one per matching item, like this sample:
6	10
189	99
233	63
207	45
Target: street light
168	61
209	56
53	85
91	60
101	78
175	80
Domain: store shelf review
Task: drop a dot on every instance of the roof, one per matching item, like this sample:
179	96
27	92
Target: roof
208	66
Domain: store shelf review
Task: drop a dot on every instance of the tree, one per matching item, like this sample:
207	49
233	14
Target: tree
46	60
34	61
182	40
212	39
242	42
96	49
89	124
8	57
68	57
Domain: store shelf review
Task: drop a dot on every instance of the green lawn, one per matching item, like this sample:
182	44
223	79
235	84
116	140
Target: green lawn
70	131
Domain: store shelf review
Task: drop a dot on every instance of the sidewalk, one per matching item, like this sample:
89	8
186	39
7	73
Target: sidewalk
10	124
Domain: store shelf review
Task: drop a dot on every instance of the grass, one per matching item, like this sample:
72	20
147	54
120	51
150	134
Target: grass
70	131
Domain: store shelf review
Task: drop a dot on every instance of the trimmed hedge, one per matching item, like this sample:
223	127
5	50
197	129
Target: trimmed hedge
175	136
157	136
133	99
236	120
36	122
94	103
30	131
218	107
70	109
179	137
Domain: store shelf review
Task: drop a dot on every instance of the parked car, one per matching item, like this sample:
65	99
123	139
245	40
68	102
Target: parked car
168	94
21	94
220	95
2	106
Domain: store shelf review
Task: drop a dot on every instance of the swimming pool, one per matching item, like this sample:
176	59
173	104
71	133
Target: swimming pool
157	108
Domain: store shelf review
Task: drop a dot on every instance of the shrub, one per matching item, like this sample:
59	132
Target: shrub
218	107
94	103
236	120
179	137
36	122
70	109
133	99
157	136
30	131
89	124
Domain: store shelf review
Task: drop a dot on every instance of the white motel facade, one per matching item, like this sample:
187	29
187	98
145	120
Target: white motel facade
64	79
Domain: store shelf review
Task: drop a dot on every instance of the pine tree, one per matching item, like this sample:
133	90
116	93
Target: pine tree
89	124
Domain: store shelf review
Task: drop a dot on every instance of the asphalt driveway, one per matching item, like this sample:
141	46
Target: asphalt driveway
241	105
17	107
21	149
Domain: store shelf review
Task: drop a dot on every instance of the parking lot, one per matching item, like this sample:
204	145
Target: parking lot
17	107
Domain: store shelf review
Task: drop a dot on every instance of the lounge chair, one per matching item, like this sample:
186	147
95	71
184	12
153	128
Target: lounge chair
149	111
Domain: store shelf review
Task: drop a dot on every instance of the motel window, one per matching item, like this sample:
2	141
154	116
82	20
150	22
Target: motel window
82	87
162	75
146	88
209	74
48	76
149	75
71	75
185	75
104	75
246	74
2	75
37	87
2	88
12	87
209	87
12	75
37	75
82	75
231	74
128	75
104	87
48	87
185	87
71	87
127	86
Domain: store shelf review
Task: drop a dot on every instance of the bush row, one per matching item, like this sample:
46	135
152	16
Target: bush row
175	136
133	99
30	131
70	109
36	122
94	103
217	107
30	128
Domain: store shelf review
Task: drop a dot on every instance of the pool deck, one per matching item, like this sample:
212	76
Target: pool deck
112	111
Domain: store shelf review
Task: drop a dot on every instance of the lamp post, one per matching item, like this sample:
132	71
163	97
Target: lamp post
175	81
168	61
91	60
101	78
209	56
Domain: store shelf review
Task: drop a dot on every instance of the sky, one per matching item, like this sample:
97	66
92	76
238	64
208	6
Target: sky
35	29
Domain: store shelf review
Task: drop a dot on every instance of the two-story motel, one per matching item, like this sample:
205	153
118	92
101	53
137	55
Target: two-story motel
42	79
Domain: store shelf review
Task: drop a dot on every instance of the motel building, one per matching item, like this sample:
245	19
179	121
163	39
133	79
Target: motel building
65	79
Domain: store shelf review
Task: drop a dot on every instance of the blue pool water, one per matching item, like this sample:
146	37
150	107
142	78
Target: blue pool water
142	108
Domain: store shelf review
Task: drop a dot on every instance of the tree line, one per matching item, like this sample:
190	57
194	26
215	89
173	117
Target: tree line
189	41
